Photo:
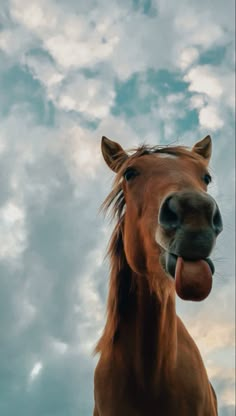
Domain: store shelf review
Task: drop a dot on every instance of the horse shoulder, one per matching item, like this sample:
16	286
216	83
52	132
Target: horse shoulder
109	385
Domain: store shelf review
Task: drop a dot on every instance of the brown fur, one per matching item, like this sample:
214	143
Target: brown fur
149	364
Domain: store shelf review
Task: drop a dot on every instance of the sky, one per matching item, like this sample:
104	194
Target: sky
153	71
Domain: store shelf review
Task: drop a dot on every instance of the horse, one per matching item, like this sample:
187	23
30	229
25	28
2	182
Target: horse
166	227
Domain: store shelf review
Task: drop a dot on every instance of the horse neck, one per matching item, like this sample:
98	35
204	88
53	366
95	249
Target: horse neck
141	319
149	333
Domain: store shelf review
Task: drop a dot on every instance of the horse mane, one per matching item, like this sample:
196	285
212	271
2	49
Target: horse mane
122	287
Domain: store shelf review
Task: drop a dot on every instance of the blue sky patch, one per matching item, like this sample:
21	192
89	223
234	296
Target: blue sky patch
19	88
213	56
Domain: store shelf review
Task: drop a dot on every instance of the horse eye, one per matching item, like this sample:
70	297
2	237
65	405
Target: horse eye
207	178
130	173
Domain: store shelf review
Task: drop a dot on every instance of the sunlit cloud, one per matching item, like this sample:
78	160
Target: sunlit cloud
203	80
13	235
37	368
209	118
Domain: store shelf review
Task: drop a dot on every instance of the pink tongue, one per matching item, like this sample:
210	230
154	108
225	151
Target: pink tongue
193	279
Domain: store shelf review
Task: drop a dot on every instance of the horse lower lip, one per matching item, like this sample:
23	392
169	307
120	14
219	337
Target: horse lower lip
211	265
171	259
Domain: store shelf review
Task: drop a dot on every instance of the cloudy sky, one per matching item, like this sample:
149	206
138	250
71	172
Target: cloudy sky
70	72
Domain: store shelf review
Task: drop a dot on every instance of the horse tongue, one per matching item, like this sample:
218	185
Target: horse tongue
193	279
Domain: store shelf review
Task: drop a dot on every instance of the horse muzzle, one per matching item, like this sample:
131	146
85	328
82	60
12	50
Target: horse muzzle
189	223
192	209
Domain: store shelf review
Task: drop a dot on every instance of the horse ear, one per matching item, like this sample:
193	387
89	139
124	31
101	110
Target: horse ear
114	155
203	148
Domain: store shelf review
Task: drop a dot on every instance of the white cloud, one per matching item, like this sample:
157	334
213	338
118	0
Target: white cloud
37	368
214	88
197	101
202	79
71	41
32	16
82	154
198	27
228	81
175	98
90	96
187	57
27	314
107	34
15	41
74	53
58	346
45	71
75	43
166	107
228	394
37	17
208	35
13	235
213	335
209	118
91	323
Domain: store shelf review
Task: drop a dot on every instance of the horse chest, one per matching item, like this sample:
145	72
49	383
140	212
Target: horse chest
125	403
118	394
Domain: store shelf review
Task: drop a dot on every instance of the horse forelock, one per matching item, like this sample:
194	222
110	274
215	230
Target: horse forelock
116	200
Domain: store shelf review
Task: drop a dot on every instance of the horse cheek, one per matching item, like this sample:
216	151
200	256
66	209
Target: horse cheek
133	248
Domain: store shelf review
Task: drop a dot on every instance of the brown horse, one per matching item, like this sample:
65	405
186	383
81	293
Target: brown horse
166	228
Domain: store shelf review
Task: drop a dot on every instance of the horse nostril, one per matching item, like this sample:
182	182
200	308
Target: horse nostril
217	221
168	217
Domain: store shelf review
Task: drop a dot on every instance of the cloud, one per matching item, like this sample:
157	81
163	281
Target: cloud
71	72
212	87
187	57
210	119
88	96
227	411
13	233
49	293
72	53
35	370
188	24
14	41
203	80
